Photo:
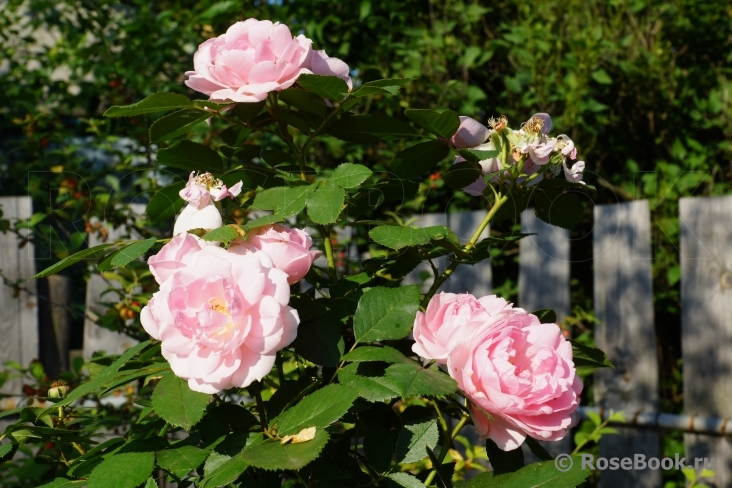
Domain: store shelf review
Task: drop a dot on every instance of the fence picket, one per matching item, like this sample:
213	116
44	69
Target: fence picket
706	324
624	307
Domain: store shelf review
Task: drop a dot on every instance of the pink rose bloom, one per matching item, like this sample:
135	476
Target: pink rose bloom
250	60
201	192
470	134
222	318
288	248
446	314
546	119
195	194
519	377
170	257
322	64
488	166
574	173
567	146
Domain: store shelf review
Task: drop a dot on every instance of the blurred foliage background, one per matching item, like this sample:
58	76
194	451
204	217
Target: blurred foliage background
642	87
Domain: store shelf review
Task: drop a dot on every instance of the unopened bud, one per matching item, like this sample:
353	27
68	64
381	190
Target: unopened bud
58	390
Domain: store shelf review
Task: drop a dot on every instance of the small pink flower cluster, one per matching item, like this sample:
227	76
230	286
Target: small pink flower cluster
516	372
531	149
255	57
201	191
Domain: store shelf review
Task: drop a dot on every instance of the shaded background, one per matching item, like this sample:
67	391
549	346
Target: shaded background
643	88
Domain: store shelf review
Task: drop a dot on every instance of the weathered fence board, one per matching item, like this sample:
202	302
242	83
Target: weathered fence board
544	265
97	338
18	314
706	323
476	278
624	307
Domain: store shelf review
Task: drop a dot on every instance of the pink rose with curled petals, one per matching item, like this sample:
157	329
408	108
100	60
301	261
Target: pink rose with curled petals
470	134
575	172
170	257
450	313
519	377
288	248
221	318
250	60
322	64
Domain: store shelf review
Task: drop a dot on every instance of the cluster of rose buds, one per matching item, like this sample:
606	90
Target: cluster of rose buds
256	57
529	152
516	373
201	192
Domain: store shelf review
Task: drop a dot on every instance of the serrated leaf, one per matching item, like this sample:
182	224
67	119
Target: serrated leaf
418	159
461	175
151	483
96	252
371	388
587	359
397	237
373	353
283	200
157	102
165	203
561	209
414	439
318	409
504	461
263	221
176	124
349	175
272	455
537	475
378	447
62	483
247	111
184	458
546	316
304	100
405	480
414	380
177	404
369	128
226	233
330	87
326	203
386	313
133	251
365	91
226	463
320	341
443	124
191	156
126	470
7	451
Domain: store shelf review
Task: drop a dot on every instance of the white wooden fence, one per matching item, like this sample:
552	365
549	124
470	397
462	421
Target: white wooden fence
623	303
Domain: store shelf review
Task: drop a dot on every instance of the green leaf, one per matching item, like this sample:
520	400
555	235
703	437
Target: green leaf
373	353
378	447
418	159
262	221
587	359
476	156
176	124
133	251
191	156
326	203
283	200
62	483
443	471
165	203
151	483
247	111
561	209
177	404
370	128
7	451
602	77
226	463
184	458
443	124
304	100
414	380
95	252
226	233
546	316
504	461
397	237
320	341
405	480
365	91
389	82
349	175
414	438
126	470
537	475
318	409
537	449
273	455
461	175
374	388
330	87
157	102
386	313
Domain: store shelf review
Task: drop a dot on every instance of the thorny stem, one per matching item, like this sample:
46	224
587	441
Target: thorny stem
500	200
